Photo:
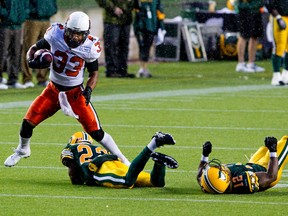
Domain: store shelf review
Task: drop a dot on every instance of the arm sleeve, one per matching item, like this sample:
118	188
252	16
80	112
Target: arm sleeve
92	66
43	44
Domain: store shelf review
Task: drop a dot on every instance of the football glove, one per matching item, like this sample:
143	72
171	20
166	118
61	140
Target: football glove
271	143
207	149
87	94
281	23
66	157
97	162
37	64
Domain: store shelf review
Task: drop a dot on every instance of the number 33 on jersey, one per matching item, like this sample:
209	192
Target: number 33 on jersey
69	63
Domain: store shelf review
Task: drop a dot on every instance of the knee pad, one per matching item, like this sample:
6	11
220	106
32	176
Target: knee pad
26	129
97	135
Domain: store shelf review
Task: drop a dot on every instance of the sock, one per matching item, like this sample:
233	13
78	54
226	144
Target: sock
137	166
108	143
276	62
250	65
286	62
152	145
157	176
24	143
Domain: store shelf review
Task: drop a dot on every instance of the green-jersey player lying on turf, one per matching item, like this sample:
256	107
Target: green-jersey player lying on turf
262	172
92	165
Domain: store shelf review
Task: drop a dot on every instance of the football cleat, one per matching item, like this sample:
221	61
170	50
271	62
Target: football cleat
164	160
144	73
13	159
277	79
163	139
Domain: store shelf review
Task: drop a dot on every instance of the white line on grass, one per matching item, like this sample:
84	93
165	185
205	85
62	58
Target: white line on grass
160	126
171	93
144	199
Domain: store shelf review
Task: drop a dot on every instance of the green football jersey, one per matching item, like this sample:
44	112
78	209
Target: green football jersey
83	153
240	182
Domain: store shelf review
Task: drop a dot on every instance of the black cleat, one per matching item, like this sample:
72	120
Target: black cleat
163	139
164	160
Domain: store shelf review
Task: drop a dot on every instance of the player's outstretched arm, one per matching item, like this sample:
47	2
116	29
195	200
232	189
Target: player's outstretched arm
206	150
266	178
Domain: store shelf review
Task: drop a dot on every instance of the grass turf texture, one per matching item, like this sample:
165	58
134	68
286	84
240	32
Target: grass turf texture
194	102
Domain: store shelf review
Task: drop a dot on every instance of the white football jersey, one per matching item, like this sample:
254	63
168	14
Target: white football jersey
68	63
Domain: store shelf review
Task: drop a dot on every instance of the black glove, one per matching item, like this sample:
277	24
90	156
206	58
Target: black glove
96	163
271	143
87	94
207	149
36	64
281	23
66	157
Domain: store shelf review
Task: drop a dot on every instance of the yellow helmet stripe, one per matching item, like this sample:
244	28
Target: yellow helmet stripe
209	185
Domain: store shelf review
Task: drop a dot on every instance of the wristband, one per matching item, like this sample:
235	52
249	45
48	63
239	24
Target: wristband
273	154
278	16
203	158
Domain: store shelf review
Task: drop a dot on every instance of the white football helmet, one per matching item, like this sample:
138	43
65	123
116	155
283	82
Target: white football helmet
77	23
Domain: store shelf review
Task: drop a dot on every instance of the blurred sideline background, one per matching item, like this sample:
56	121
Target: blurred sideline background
172	8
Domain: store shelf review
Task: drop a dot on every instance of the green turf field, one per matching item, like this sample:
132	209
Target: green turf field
194	102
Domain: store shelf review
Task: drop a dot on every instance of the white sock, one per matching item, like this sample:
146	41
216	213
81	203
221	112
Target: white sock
108	143
24	143
251	64
152	145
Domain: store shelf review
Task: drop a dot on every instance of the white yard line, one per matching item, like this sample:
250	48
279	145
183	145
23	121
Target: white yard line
172	93
145	199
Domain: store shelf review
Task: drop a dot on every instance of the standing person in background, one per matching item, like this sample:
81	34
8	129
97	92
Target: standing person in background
35	27
117	25
251	29
279	11
12	14
148	22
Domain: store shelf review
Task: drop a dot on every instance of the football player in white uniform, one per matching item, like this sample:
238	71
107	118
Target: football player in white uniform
73	50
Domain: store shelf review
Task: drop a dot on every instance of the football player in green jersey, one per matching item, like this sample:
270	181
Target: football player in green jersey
262	172
91	165
279	11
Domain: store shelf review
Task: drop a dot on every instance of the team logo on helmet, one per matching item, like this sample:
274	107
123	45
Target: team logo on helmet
215	177
79	137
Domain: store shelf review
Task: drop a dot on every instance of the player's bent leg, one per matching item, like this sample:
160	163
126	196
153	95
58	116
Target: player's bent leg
258	156
23	148
137	166
158	175
282	152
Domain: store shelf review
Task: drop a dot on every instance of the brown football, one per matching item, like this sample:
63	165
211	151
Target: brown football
44	55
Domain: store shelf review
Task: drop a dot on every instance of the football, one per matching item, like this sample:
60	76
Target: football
44	56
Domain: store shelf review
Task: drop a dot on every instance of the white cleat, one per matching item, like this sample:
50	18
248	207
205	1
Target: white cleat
13	159
277	79
285	76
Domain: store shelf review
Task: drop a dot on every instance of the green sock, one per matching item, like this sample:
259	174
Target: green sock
286	62
158	175
276	63
137	166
